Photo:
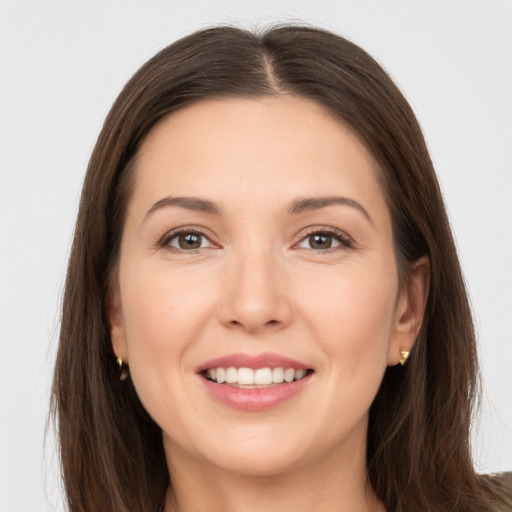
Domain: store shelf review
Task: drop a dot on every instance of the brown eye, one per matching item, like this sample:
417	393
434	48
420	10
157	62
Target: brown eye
324	240
188	241
320	241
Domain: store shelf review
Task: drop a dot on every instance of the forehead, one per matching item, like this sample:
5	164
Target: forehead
262	149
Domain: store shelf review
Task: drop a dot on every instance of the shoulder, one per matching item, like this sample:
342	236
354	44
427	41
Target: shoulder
507	478
499	487
504	478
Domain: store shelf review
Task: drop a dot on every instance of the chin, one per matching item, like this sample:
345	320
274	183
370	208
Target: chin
259	453
261	464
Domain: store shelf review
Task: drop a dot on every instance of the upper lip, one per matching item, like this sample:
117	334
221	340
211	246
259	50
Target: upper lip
254	361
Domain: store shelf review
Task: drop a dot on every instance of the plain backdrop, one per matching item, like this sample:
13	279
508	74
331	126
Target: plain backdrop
63	63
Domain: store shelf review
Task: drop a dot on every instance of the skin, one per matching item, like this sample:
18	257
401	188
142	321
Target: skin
258	283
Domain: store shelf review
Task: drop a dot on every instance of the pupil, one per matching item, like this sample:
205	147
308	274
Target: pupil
321	242
190	241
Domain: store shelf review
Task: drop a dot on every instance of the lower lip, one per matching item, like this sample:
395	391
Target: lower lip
255	400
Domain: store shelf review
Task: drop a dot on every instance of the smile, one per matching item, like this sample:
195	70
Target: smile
258	378
254	382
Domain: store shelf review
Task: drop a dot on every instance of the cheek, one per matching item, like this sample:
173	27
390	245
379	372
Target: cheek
163	314
353	317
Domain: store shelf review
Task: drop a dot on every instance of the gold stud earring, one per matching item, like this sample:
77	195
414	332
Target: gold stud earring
123	369
404	355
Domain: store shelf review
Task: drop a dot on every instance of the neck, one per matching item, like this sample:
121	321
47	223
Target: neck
328	485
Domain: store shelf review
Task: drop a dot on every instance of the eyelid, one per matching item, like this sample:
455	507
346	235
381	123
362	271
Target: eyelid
164	241
344	239
346	242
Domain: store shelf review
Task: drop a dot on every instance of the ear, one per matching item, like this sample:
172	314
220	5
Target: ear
115	320
410	309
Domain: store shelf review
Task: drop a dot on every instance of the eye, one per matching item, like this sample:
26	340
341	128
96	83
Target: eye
324	240
187	241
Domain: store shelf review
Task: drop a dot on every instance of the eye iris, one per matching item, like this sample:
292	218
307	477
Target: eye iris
320	241
189	241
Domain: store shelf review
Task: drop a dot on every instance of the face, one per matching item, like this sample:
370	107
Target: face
257	300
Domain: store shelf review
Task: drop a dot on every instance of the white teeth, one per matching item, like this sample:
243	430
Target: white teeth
259	377
221	375
277	375
289	374
299	374
263	376
245	376
231	375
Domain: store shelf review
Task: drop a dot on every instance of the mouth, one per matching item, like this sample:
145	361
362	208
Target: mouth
254	378
254	382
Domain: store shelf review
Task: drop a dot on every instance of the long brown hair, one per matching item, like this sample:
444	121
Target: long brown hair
418	452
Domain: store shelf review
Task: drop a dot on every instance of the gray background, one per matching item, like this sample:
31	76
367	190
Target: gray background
63	63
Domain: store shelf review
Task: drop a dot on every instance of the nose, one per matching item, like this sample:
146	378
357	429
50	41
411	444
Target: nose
256	294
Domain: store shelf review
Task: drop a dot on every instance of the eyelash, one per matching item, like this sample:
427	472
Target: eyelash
168	237
344	240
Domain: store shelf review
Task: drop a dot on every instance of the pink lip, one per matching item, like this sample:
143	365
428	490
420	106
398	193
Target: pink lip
254	361
254	400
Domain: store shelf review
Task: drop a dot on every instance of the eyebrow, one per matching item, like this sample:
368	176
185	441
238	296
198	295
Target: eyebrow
189	203
308	204
297	206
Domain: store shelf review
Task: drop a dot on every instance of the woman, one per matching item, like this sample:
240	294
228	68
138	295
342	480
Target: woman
264	305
